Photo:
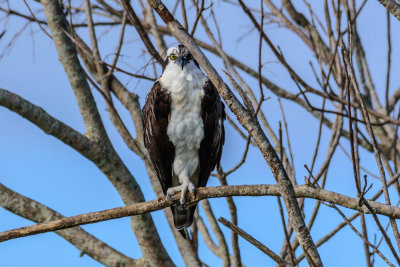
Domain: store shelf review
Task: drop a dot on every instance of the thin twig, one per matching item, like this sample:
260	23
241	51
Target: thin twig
236	259
319	137
287	238
361	236
184	17
198	15
205	204
141	31
243	160
253	241
389	57
119	45
35	19
288	141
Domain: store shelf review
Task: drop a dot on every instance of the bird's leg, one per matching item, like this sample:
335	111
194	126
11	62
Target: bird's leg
186	185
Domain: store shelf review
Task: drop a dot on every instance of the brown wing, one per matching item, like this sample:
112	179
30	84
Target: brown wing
213	115
155	116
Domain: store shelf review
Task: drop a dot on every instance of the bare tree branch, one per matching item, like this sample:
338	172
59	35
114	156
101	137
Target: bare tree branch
253	241
82	240
142	33
361	236
392	6
223	247
301	191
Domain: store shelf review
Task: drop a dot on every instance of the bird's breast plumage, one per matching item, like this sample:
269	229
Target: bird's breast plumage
185	127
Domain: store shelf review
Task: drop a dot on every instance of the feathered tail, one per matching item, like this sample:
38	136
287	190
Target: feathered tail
183	217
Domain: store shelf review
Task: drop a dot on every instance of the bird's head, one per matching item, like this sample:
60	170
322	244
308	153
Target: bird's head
179	56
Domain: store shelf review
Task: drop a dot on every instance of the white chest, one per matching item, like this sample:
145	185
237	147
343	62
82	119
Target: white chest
185	127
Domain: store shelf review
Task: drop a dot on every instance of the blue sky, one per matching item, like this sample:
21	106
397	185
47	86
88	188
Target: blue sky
44	169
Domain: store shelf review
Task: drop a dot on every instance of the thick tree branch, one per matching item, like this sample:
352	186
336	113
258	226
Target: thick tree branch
49	124
57	24
74	139
82	240
128	99
301	191
392	6
393	100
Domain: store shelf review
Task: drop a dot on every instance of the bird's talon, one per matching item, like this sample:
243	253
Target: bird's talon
192	189
182	200
183	193
183	188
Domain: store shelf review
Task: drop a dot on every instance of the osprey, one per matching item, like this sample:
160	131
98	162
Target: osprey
183	129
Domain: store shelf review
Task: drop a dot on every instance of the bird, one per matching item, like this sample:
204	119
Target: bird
183	129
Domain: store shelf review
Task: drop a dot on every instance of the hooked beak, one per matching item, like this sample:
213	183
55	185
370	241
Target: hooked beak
183	61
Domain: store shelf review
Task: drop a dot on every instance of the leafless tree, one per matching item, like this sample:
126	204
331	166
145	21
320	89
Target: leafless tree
351	117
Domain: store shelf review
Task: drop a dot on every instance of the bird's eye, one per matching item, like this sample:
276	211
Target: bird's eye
190	56
173	57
